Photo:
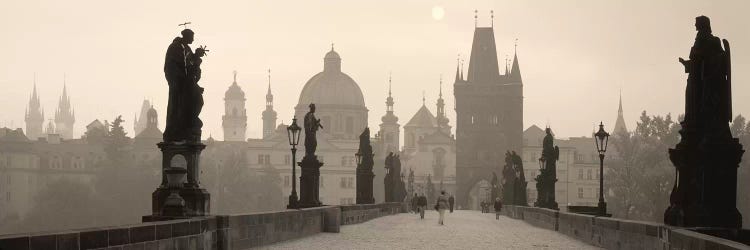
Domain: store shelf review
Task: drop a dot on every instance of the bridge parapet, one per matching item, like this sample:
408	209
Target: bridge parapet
220	232
614	233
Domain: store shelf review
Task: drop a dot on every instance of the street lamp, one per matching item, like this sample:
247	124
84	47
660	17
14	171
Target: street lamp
601	138
293	132
358	157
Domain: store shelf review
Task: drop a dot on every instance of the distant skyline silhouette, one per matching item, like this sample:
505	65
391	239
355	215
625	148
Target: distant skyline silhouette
574	59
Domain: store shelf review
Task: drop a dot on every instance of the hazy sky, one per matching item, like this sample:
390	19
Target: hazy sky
574	55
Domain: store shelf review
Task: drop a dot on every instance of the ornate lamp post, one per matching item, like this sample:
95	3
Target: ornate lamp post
601	139
293	132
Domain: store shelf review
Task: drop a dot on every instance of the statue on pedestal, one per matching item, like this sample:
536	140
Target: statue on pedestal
310	165
545	181
707	157
364	169
181	146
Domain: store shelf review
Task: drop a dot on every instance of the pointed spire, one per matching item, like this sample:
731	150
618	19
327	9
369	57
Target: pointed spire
515	71
441	87
619	109
458	63
423	99
507	73
462	70
269	81
234	82
475	18
389	84
492	17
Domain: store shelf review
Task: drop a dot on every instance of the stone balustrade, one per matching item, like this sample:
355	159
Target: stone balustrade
220	232
614	233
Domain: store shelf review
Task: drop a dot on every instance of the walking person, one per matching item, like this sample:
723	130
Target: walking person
451	201
441	206
414	207
498	207
421	205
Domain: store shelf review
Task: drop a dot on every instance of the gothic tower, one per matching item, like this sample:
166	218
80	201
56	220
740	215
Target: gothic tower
620	127
34	117
489	115
389	127
269	115
140	122
234	120
64	116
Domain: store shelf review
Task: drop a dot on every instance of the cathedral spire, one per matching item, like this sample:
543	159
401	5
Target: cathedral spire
620	126
515	70
458	63
389	100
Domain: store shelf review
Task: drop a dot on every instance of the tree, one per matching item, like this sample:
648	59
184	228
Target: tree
640	176
62	204
234	187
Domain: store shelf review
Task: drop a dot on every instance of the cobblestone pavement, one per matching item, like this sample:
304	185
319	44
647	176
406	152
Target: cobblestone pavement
462	230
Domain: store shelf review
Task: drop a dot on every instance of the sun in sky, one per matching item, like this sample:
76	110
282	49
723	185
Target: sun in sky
438	13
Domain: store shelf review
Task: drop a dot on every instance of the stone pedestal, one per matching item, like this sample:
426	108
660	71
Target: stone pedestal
705	191
197	199
309	183
364	186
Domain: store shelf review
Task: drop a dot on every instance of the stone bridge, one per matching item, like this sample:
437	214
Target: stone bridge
361	227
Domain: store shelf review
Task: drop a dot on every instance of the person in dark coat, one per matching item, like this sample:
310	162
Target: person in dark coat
451	201
414	201
498	207
422	204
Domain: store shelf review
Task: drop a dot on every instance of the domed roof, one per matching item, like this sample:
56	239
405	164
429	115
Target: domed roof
332	55
332	87
234	91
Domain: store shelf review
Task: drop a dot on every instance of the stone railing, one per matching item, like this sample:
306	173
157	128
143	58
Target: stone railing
221	232
613	233
354	214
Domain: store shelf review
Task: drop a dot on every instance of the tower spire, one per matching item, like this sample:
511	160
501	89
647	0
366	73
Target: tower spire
234	82
492	17
462	70
441	86
423	99
515	71
475	18
458	63
389	99
269	81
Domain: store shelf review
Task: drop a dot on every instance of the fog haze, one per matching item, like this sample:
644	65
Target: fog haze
574	57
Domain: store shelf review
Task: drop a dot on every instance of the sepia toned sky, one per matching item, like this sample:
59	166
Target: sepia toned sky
575	56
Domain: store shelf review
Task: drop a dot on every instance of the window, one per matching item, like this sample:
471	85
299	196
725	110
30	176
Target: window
588	174
321	182
264	159
343	182
343	161
287	159
580	174
286	181
580	192
350	182
596	177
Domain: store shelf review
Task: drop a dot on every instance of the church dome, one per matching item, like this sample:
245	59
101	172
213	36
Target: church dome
332	87
234	91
